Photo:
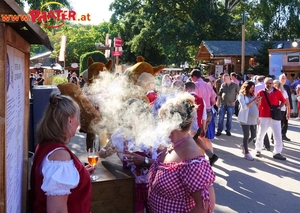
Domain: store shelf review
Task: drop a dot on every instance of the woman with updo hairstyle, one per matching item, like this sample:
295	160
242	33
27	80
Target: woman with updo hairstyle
59	181
180	179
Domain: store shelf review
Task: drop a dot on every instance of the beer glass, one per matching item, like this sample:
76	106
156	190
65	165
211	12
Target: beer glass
103	138
93	160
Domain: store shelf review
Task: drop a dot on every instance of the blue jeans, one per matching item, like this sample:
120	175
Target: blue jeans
222	110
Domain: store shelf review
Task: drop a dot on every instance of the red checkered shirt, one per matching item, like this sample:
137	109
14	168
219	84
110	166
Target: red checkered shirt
171	185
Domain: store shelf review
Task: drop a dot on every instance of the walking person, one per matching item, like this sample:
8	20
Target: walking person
226	104
258	87
285	109
201	120
248	115
275	98
206	92
285	123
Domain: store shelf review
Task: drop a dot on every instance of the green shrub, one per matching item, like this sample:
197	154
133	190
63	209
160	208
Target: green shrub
59	80
97	56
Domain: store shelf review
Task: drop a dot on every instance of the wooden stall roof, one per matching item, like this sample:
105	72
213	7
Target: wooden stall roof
287	50
28	30
212	49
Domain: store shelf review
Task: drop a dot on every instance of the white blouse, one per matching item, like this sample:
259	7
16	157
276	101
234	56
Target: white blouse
59	176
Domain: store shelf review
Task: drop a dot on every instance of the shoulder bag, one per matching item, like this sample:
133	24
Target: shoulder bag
275	110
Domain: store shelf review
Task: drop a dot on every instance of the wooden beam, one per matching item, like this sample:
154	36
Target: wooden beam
2	117
17	41
287	50
35	30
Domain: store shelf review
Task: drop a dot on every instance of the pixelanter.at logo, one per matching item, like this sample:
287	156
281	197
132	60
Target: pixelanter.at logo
58	16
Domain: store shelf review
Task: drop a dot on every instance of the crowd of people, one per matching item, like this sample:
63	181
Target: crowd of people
172	173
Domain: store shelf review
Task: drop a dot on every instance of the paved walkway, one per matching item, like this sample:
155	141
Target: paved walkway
260	186
264	185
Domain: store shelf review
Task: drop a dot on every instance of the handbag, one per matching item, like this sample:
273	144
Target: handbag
243	114
275	110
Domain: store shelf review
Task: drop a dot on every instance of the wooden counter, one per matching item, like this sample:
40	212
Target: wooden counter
113	191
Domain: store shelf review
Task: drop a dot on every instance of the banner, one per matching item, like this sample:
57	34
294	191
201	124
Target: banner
63	45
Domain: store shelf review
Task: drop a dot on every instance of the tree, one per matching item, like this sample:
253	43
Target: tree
34	4
277	20
42	5
169	29
262	59
80	40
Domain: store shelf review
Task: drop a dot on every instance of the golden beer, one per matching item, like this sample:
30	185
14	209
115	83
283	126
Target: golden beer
103	140
93	160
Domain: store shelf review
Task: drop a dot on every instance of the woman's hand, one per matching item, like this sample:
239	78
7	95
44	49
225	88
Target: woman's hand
104	153
110	151
90	169
134	158
258	99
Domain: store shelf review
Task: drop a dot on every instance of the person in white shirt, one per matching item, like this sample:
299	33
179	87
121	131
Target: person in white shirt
285	109
259	85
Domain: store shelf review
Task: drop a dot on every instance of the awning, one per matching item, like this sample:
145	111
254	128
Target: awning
28	30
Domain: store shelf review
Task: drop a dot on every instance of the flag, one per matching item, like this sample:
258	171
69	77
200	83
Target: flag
107	44
63	45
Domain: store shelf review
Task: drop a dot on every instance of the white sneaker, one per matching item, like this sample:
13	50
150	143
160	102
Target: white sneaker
248	156
298	118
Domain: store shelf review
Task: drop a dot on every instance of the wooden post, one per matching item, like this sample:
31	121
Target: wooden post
117	61
2	117
14	106
243	45
15	117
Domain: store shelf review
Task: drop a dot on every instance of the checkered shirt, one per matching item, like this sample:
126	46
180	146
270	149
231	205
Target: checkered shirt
171	185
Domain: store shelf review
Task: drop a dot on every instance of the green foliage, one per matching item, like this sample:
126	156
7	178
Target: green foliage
262	59
170	31
36	49
277	20
97	56
80	40
34	4
40	5
59	80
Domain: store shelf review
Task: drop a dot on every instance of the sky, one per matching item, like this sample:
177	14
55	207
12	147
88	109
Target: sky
98	9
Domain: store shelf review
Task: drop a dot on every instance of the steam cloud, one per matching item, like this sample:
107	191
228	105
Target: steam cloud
121	105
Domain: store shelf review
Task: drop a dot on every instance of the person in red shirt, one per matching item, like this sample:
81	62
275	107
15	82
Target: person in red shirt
151	95
147	82
201	120
276	99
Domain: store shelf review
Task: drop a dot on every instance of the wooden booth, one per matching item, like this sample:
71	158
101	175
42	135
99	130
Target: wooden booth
15	40
285	61
225	56
114	190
